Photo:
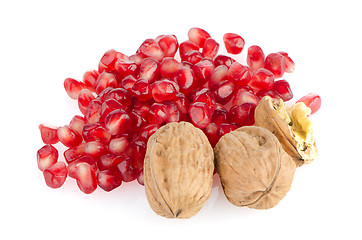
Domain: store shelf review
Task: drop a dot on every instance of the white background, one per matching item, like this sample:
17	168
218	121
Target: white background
44	42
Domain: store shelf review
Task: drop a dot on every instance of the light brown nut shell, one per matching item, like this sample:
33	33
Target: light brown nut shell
268	117
254	169
178	170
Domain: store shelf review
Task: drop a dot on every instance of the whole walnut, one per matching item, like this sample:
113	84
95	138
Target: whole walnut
178	170
254	169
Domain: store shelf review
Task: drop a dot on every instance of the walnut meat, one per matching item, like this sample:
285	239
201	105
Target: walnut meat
254	169
178	170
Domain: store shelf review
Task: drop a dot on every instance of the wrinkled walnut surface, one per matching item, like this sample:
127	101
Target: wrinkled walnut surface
254	169
178	170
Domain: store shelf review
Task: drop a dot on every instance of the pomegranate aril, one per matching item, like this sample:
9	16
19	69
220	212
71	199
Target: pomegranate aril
68	137
168	44
150	48
265	92
142	107
108	180
84	98
109	161
95	132
128	82
117	122
136	152
103	95
137	58
73	87
140	178
110	105
225	128
142	90
77	123
173	114
275	63
185	79
202	71
220	115
86	178
223	92
107	61
46	157
262	79
204	95
289	64
95	149
74	153
55	175
118	145
311	100
121	95
72	167
48	134
218	74
210	49
169	67
93	112
282	88
147	131
104	81
243	95
157	114
193	57
243	114
223	60
126	67
182	104
234	43
255	57
138	121
186	47
200	114
212	133
89	79
198	36
239	74
127	171
163	90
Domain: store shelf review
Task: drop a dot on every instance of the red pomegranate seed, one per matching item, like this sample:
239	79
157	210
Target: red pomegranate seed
89	79
138	121
110	105
168	44
125	67
128	82
182	104
149	69
93	113
74	153
95	149
218	75
225	128
117	122
255	57
86	178
137	58
311	100
77	123
121	95
107	61
289	64
136	152
282	88
173	114
262	79
265	92
150	48
140	178
72	167
234	44
212	133
127	171
204	95
46	157
108	180
243	114
104	81
142	108
109	161
84	98
169	67
275	63
55	175
243	95
147	131
193	57
103	95
198	36
118	145
203	71
73	87
157	113
68	137
142	90
239	74
95	132
210	49
48	134
185	79
220	115
186	47
163	90
223	92
200	114
223	60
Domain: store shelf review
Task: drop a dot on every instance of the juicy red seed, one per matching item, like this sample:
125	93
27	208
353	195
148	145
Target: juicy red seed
275	63
239	74
289	64
55	175
157	113
118	145
109	161
147	131
265	92
168	44
220	115
198	36
95	149
200	114
93	113
192	57
136	152
108	59
204	95
86	178
243	114
77	123
117	122
234	44
84	98
89	79
46	157
84	159
138	121
182	104
163	90
103	95
95	132
137	58
242	95
121	95
210	49
73	87
223	60
108	180
126	67
203	71
217	75
185	79
169	67
110	105
48	134
68	137
149	69
173	114
255	57
128	82
223	92
225	128
212	133
282	88
142	108
127	171
150	48
142	90
262	79
140	178
74	153
186	47
311	100
104	81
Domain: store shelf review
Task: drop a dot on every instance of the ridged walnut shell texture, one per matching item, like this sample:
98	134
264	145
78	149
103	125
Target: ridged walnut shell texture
178	170
254	169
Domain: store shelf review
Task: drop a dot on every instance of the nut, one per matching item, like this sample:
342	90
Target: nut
291	126
254	169
178	170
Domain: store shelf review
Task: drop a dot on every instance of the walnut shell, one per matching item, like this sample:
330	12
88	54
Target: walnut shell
178	170
254	169
269	114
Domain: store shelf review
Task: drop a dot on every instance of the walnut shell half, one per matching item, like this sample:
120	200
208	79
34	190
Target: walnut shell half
178	170
291	126
254	169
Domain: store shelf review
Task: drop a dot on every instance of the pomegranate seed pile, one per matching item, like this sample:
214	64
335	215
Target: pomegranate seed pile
128	98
